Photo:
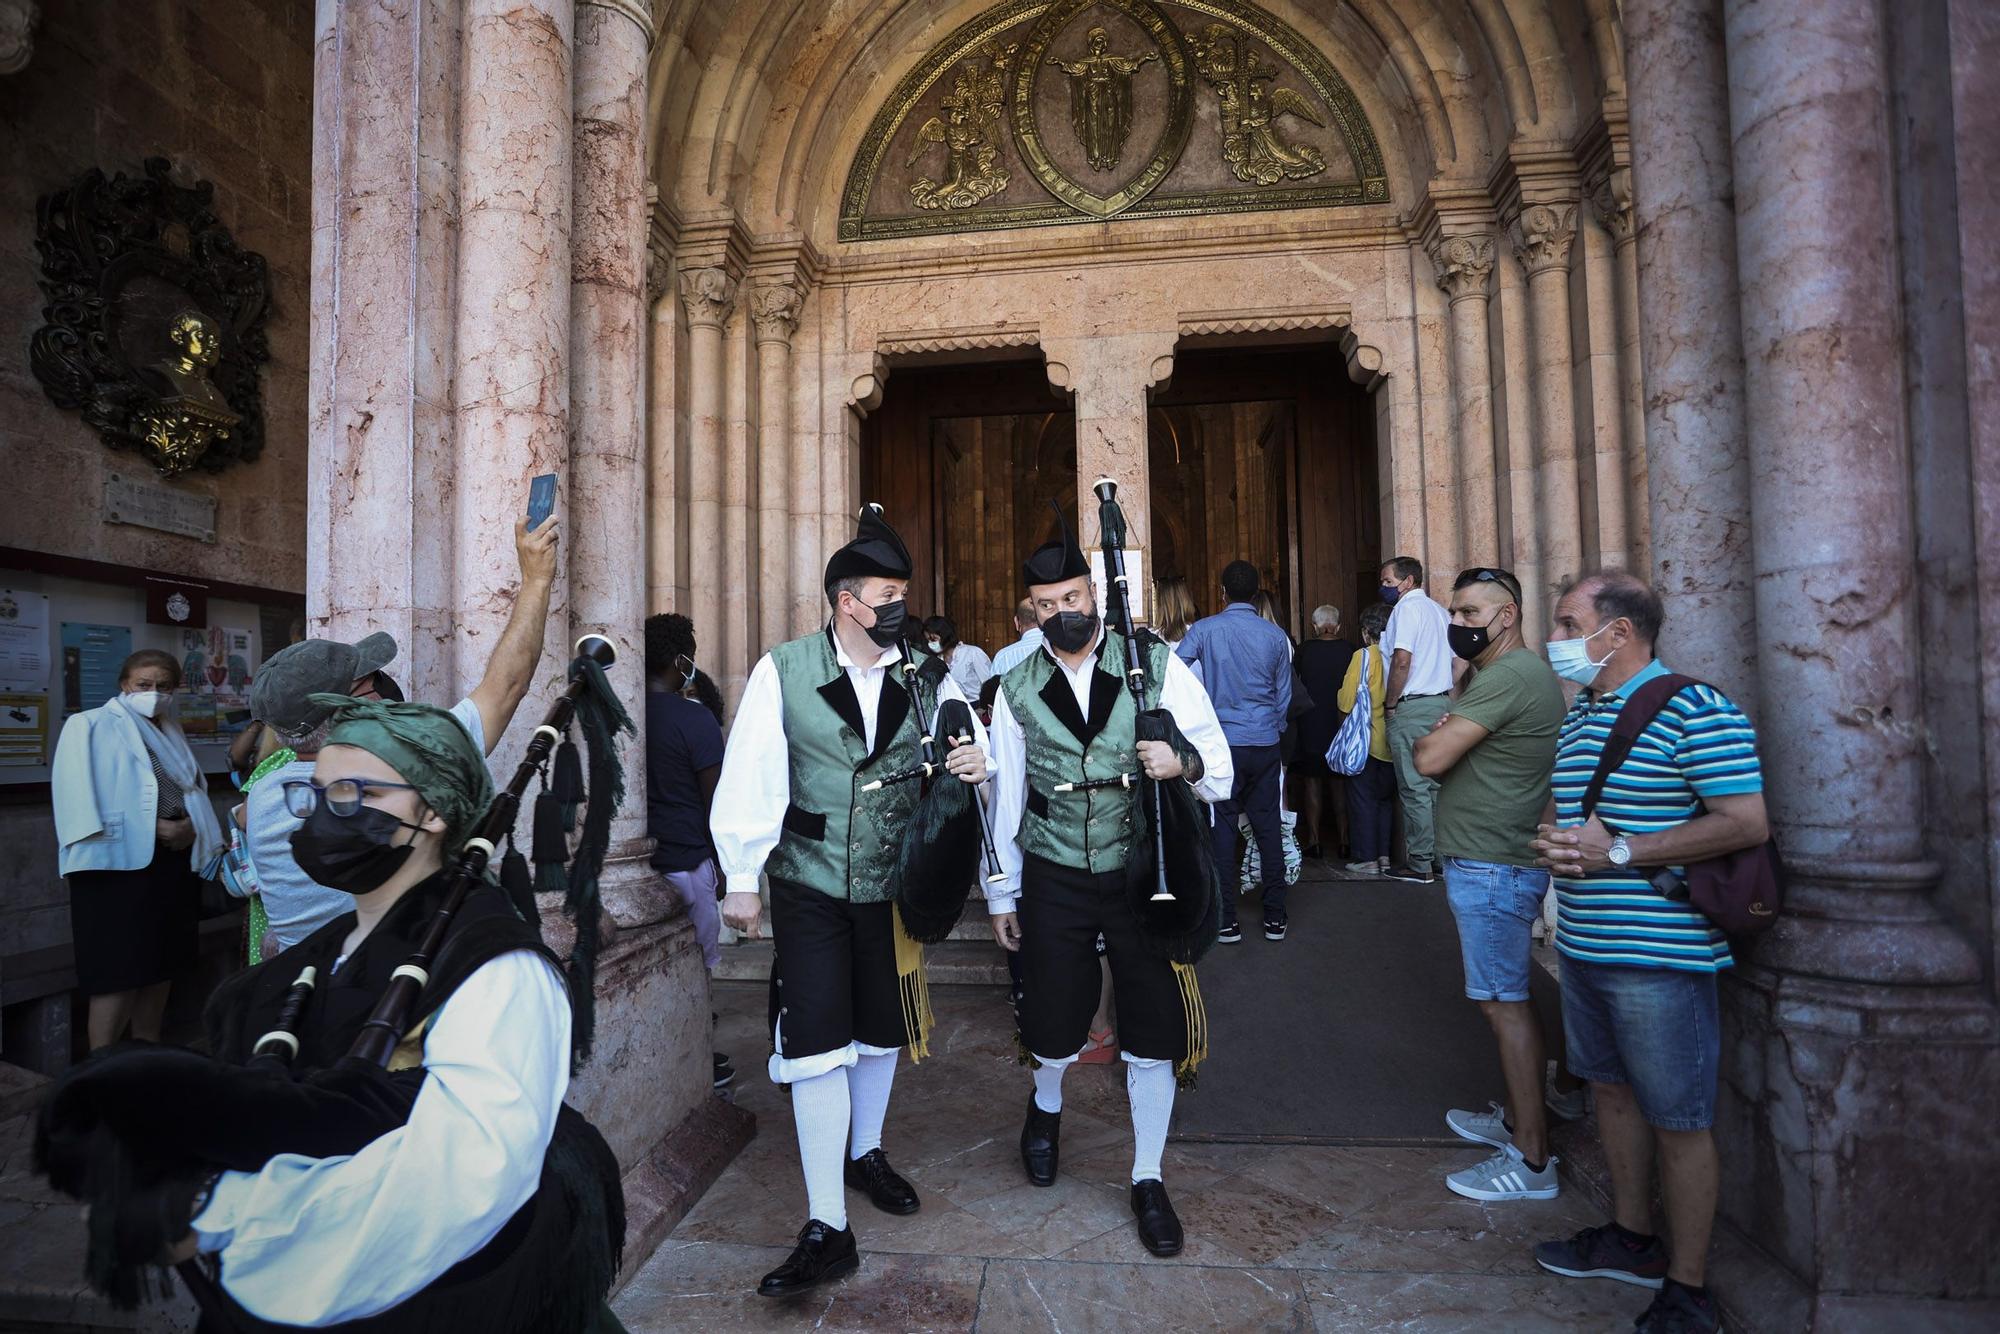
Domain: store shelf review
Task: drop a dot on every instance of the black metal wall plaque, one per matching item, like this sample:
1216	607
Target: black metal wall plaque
154	326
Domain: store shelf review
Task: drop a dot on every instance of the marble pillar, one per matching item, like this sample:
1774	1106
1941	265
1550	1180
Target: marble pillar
1439	494
1691	351
381	462
708	294
1464	267
774	314
608	319
1599	396
666	469
1110	377
1542	236
806	522
1611	200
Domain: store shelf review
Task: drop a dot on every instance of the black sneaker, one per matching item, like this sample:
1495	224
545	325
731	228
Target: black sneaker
1229	935
1274	930
1410	875
1677	1310
1600	1252
725	1073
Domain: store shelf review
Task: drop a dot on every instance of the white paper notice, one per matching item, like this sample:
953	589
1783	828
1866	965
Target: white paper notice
24	642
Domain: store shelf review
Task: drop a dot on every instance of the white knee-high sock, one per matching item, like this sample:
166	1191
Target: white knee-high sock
1151	1087
820	1109
1048	1086
868	1085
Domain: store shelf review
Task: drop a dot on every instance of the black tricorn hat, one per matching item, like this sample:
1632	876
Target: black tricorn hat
1058	559
875	551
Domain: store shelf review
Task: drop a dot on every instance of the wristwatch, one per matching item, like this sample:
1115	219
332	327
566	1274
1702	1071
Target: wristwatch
1620	852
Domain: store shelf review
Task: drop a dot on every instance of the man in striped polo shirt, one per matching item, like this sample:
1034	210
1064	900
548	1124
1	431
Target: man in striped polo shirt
1639	963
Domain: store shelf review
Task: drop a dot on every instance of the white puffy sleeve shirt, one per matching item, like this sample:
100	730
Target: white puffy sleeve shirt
318	1241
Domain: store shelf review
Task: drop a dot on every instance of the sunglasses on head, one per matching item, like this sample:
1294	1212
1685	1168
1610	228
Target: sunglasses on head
1479	574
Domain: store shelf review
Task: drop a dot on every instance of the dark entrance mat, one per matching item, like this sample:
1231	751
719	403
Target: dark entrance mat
1354	1029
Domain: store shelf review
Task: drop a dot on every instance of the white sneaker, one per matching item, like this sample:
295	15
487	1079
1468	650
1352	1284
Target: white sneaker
1481	1127
1363	868
1505	1176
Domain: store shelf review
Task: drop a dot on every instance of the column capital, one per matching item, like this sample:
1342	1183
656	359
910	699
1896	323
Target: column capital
639	11
1463	263
774	310
709	296
1542	235
1611	201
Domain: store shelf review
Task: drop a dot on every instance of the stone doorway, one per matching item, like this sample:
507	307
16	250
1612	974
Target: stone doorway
1266	455
965	460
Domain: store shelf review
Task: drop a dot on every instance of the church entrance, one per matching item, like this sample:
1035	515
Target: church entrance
1265	455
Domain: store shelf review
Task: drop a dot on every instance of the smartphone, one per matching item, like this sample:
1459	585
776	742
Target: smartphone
541	500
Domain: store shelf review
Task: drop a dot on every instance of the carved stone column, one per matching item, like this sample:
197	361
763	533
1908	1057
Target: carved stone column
1464	270
1542	235
1697	459
1111	377
1611	201
666	480
774	313
709	297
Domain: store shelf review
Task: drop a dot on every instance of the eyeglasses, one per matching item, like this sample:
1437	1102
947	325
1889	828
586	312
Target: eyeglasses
342	796
1479	574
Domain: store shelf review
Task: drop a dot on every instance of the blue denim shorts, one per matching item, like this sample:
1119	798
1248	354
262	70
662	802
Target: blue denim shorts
1656	1029
1496	905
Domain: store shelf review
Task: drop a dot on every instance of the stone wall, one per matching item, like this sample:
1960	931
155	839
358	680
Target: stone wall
224	90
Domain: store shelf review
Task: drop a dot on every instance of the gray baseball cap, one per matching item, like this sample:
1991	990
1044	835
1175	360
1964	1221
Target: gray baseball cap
278	693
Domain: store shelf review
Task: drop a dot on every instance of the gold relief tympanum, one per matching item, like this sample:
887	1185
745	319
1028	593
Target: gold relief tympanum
1041	112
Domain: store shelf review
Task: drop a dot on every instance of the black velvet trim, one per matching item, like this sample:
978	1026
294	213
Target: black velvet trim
806	824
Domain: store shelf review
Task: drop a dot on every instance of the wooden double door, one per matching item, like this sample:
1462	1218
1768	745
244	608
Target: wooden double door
1266	456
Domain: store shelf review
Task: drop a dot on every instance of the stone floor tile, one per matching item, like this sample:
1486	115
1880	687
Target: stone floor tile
972	1171
1251	1220
1345	1179
1046	1221
1062	1298
1468	1304
938	1228
740	1211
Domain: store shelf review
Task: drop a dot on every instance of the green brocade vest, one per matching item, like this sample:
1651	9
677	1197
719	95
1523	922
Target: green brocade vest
1085	830
837	838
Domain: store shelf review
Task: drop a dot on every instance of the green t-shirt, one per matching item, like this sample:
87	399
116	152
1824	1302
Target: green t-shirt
1492	799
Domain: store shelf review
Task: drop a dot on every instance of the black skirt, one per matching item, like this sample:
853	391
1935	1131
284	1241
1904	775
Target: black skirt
134	928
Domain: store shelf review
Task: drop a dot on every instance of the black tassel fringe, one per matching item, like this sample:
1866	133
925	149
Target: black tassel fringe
551	846
567	782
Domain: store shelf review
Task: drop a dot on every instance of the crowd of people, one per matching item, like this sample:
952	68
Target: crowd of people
1444	732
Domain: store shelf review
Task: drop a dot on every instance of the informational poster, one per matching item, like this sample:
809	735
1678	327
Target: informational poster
91	657
24	641
216	659
1135	580
24	730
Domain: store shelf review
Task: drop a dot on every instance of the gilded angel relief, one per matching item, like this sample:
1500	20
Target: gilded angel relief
969	131
1251	144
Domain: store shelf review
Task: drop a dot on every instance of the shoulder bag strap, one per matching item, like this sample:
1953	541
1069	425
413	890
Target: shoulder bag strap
1641	707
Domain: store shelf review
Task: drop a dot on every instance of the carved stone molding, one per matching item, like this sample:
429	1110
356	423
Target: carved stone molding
774	310
864	393
709	295
1364	362
1196	322
17	34
966	339
1464	264
1611	200
1542	236
639	11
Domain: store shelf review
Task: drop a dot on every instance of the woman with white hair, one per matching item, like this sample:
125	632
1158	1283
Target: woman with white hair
1318	794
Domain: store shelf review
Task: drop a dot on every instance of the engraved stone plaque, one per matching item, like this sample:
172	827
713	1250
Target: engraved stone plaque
129	500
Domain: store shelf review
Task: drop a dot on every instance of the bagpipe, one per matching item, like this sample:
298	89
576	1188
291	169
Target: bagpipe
138	1131
948	838
1170	878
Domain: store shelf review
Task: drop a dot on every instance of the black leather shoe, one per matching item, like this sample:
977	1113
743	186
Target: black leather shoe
1041	1144
886	1190
1159	1225
821	1255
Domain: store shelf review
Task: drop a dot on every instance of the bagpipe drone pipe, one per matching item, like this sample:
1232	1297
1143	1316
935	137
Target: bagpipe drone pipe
1170	879
137	1131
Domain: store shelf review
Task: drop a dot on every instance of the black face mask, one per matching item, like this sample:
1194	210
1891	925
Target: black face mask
1070	631
386	687
1468	641
889	619
352	853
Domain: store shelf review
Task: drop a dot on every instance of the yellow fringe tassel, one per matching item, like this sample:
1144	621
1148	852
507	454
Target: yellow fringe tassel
1196	1015
916	991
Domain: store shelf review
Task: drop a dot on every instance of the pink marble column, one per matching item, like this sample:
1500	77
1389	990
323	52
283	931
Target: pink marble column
1464	267
774	314
1842	727
1111	376
380	461
511	389
1611	200
608	318
666	589
1691	351
708	295
1542	236
808	566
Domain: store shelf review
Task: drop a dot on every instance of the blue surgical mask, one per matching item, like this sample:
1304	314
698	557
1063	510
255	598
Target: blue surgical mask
1572	661
1390	593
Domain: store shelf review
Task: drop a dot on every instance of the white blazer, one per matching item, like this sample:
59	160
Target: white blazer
104	792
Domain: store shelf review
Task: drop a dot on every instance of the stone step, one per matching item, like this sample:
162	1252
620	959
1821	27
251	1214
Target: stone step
951	963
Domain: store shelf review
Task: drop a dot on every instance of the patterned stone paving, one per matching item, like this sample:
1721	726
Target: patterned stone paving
1282	1237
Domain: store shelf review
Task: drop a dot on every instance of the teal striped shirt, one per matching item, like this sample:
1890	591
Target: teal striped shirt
1699	746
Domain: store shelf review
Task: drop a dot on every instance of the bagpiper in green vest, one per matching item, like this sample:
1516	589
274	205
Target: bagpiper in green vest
1089	830
837	838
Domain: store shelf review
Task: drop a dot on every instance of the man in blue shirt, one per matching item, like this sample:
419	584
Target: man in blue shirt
1030	630
1246	663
